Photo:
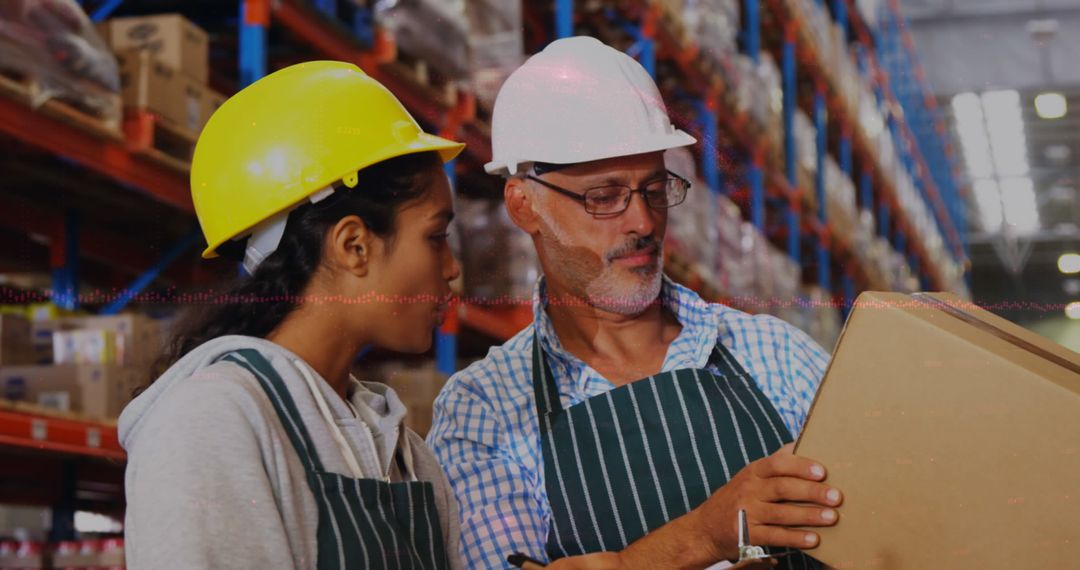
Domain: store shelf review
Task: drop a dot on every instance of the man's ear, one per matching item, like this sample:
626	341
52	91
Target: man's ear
521	205
350	246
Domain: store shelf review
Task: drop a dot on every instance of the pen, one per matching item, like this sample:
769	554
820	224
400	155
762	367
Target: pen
521	561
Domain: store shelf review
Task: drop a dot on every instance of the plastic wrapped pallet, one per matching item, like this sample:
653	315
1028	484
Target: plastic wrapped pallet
732	277
786	278
498	259
806	149
713	25
496	44
434	31
55	47
692	229
825	322
772	96
840	200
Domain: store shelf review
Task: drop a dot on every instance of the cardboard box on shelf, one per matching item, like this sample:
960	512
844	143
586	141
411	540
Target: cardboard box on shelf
16	347
95	390
169	38
138	339
211	100
953	436
151	84
90	346
112	553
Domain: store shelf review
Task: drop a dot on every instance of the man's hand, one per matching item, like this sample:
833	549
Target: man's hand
765	489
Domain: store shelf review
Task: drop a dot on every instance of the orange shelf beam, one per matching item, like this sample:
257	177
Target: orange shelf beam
107	156
31	428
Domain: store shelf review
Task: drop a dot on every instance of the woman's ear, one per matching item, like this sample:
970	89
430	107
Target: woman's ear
521	205
350	246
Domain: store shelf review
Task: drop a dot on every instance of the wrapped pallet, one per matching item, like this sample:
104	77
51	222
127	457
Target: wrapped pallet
53	45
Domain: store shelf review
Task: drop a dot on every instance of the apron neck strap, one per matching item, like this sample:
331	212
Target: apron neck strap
272	383
546	391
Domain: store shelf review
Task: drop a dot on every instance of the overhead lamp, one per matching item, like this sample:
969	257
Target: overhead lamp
1051	105
1072	310
1069	263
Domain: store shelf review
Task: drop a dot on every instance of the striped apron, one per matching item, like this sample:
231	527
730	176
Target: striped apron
625	462
363	523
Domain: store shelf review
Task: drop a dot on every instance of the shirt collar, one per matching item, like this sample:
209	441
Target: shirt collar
691	349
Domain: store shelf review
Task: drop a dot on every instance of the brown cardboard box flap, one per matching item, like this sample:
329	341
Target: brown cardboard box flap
955	437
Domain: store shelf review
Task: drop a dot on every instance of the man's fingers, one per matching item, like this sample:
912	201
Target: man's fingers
766	535
780	514
786	465
799	490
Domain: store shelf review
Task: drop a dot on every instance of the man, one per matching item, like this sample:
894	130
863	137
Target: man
632	420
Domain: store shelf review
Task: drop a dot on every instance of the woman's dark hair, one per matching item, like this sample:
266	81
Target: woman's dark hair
256	305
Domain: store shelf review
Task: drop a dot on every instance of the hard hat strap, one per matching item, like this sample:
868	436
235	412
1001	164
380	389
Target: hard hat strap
266	237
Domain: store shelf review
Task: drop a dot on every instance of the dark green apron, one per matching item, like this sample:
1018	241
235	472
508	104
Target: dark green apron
625	462
363	523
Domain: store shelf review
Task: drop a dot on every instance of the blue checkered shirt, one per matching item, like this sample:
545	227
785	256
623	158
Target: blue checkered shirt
487	438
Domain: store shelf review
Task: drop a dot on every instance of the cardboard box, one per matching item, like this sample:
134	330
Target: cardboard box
148	83
138	339
955	437
94	390
210	102
15	346
112	553
169	38
89	346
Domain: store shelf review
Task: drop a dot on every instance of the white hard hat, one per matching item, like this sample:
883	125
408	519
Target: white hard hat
578	100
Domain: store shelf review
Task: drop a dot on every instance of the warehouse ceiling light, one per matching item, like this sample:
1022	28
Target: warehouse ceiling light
1019	205
971	126
1072	310
988	198
991	131
1051	105
1006	124
1069	263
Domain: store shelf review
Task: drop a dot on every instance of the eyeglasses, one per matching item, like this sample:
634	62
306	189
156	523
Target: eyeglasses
610	200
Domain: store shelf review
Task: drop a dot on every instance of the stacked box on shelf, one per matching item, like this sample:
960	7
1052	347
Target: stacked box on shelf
734	276
16	348
823	316
759	93
816	21
806	149
498	259
839	201
869	11
692	227
53	47
164	68
23	555
93	365
786	276
844	72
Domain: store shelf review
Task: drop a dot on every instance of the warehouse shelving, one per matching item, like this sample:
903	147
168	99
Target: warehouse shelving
453	112
30	427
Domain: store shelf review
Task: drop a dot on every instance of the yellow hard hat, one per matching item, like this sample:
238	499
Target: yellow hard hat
292	134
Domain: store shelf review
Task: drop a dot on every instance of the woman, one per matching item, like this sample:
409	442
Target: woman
256	448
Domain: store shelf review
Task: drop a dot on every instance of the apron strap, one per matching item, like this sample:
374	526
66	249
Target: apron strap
545	390
272	383
721	358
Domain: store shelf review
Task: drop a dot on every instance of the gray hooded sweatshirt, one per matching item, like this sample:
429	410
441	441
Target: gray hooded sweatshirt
213	481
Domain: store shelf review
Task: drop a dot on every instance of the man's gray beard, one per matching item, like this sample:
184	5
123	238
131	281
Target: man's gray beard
603	293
